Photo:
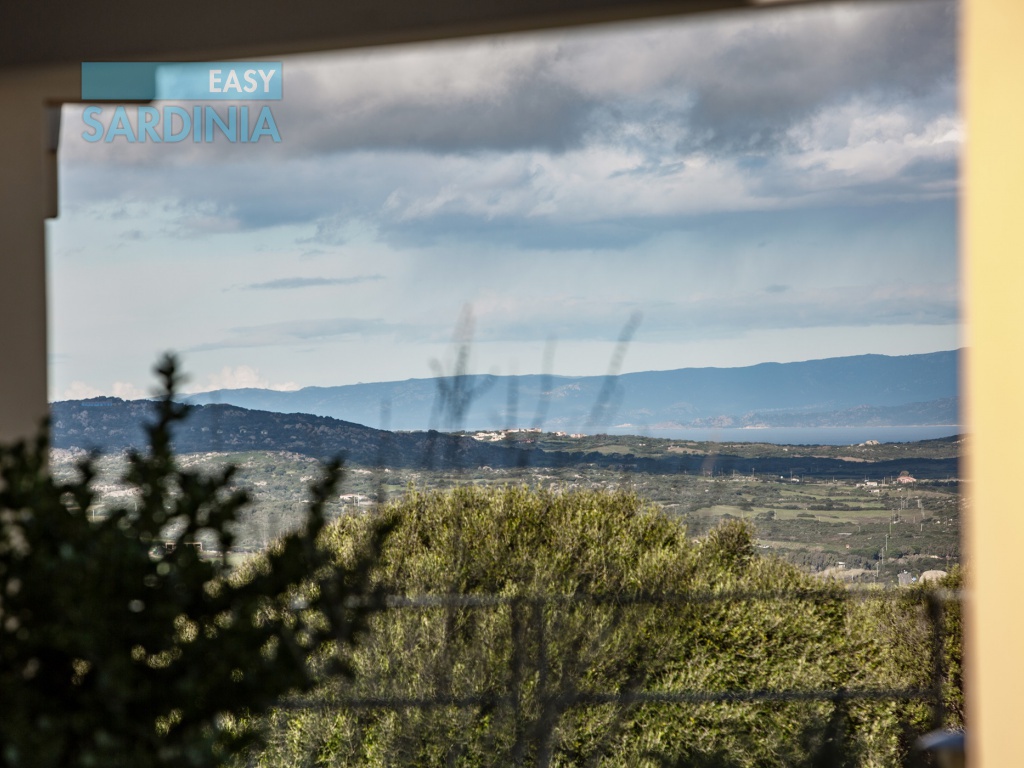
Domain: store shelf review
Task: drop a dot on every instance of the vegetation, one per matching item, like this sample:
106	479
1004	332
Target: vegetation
658	447
588	607
858	532
562	622
118	649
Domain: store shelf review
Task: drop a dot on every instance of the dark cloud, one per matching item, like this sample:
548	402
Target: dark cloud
333	195
409	150
729	84
757	82
245	197
287	283
531	111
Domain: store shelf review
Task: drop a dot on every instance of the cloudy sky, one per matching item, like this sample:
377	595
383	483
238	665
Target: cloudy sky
772	186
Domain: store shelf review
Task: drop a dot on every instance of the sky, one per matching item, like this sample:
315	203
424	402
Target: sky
738	188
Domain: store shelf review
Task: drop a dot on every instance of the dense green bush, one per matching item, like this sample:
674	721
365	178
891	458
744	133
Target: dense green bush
523	679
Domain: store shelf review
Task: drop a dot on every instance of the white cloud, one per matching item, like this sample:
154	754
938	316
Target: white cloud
128	391
79	390
873	145
241	377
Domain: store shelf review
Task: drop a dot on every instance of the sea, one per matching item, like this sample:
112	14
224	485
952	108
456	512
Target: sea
795	435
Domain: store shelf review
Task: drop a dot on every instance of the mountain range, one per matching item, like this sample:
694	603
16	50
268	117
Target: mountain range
862	390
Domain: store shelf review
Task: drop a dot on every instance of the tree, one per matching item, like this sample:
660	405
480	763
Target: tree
115	651
549	633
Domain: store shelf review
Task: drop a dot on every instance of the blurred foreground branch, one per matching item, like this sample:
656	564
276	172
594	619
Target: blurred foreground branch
123	643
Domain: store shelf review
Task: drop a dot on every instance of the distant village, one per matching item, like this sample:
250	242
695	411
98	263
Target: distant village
503	434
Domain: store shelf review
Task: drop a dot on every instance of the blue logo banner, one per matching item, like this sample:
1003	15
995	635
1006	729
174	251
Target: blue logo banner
182	81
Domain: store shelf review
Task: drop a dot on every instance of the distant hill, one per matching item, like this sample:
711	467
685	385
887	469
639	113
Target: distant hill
110	424
865	390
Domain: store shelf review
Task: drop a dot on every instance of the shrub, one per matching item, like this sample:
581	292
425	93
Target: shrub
573	621
114	652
